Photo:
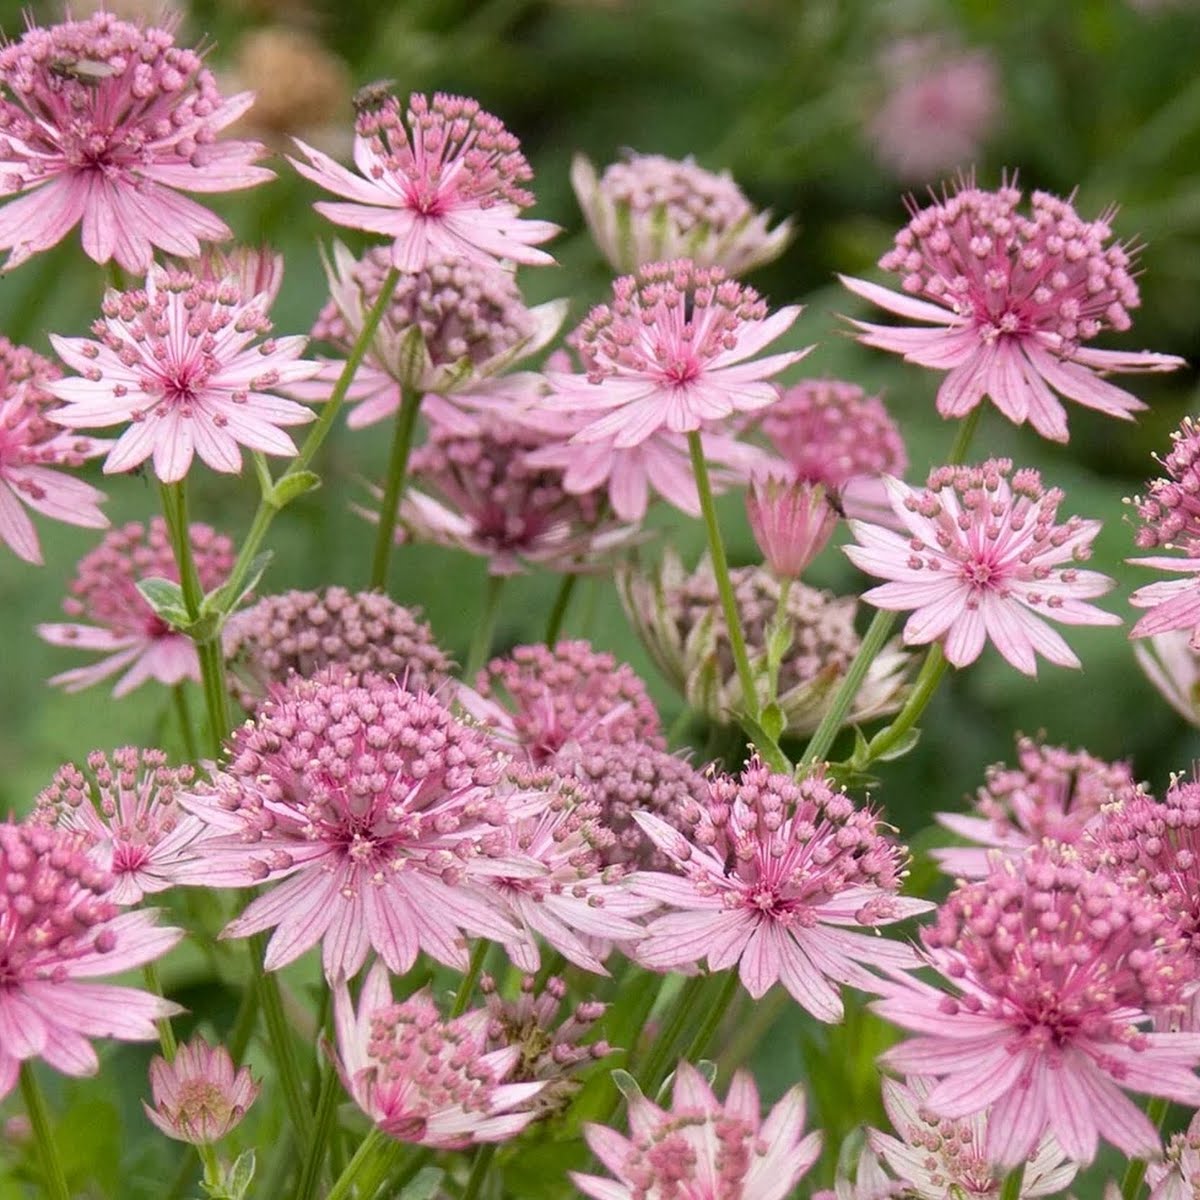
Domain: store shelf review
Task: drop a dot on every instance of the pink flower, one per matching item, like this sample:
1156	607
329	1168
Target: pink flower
1009	302
671	353
777	877
368	802
424	1080
984	560
31	447
254	270
443	181
1052	793
1173	667
702	1147
198	1097
59	933
1055	970
791	523
1175	1177
177	360
126	810
103	121
124	626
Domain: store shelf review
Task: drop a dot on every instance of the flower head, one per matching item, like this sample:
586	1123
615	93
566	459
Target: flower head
779	877
986	558
1052	792
102	122
254	270
703	1147
198	1097
444	180
301	633
673	352
126	809
177	360
1009	302
1175	1177
32	447
791	523
1055	969
648	208
424	1080
59	934
122	623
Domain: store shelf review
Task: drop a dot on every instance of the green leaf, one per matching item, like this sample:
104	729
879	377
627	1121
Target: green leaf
765	744
166	598
773	721
291	486
425	1186
215	603
626	1085
240	1175
900	749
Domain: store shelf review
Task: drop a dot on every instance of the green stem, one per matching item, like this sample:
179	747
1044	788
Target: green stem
43	1135
713	1016
966	431
393	490
283	1049
479	1169
1135	1172
481	642
562	601
243	1023
372	1144
932	670
466	989
1012	1184
716	549
184	717
314	1159
166	1035
663	1049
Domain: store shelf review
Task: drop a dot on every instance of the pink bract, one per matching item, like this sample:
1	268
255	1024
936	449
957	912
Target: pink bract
105	123
199	1097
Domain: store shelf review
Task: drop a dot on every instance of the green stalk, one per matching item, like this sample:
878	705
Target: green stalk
243	1023
558	613
932	670
713	1016
966	431
371	1145
481	642
462	998
393	491
43	1135
184	717
479	1168
283	1048
166	1035
663	1050
314	1158
1012	1184
1135	1172
716	549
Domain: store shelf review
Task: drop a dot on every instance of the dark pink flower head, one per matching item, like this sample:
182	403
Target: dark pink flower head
369	801
122	623
1055	968
702	1147
444	180
178	360
32	446
126	808
672	351
1008	303
102	121
424	1080
198	1096
59	932
778	877
1052	792
986	559
301	633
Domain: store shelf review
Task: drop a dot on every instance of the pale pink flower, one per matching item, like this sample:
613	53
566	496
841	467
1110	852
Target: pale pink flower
443	180
870	1182
123	626
778	878
1175	1178
126	809
1052	792
791	523
1173	666
59	934
702	1146
649	208
367	802
177	359
254	270
986	559
1055	969
198	1096
105	122
1008	302
424	1080
32	448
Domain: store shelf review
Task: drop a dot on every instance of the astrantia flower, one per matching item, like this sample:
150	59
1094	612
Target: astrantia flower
1173	667
791	522
302	632
32	447
1175	1178
444	181
673	351
1008	302
122	624
1054	969
424	1080
367	801
177	360
1052	793
777	878
102	121
703	1147
681	623
198	1097
255	270
59	934
870	1181
649	209
126	809
986	559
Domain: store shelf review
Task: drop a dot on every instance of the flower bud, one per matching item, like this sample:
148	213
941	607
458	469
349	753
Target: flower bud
791	523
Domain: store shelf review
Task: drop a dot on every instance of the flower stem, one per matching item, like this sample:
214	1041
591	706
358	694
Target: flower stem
481	643
283	1050
393	490
314	1158
966	431
243	1023
166	1035
480	1166
1135	1172
43	1135
1012	1184
557	614
716	550
371	1145
184	717
466	989
713	1016
932	670
663	1050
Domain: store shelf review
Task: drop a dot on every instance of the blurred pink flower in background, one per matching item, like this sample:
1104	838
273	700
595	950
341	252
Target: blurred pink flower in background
1173	666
